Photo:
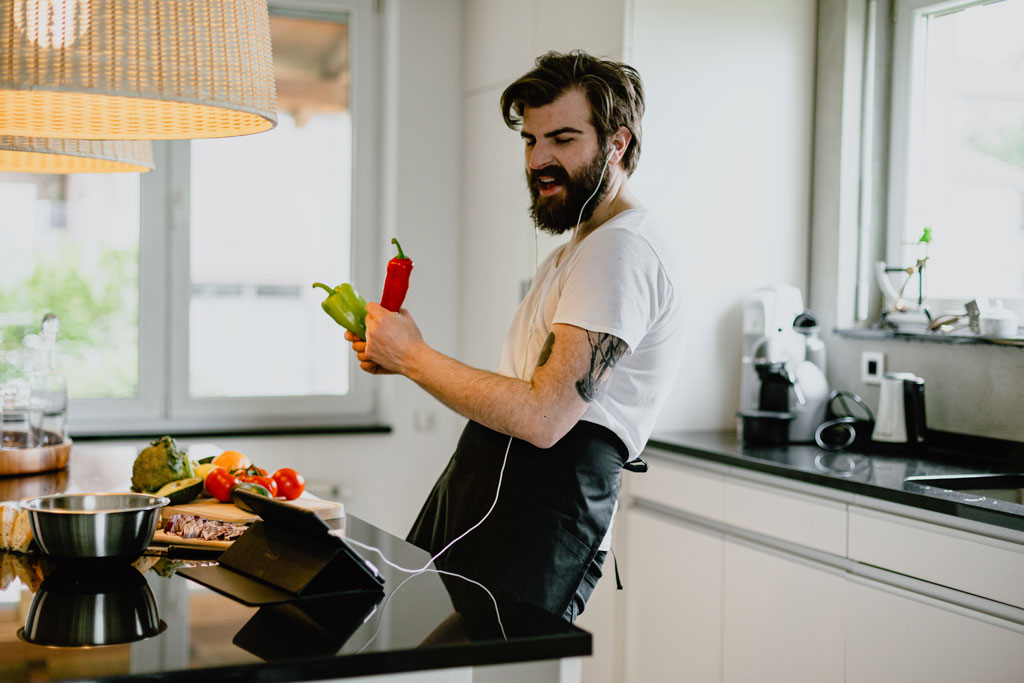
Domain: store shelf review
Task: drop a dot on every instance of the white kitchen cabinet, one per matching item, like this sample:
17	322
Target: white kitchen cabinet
971	562
896	635
698	492
810	521
673	584
782	618
601	618
741	576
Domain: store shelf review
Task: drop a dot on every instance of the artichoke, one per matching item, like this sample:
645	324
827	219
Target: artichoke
159	464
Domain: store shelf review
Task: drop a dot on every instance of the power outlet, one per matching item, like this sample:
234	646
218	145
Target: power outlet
872	367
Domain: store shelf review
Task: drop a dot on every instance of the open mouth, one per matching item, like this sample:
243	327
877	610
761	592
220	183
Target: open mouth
549	180
548	186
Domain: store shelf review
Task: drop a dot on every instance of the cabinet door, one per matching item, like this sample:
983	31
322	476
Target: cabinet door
783	618
600	618
895	635
673	588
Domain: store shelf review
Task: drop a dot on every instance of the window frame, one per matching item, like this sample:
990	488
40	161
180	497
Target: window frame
906	113
163	402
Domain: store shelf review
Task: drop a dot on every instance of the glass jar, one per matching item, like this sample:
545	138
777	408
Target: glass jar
20	417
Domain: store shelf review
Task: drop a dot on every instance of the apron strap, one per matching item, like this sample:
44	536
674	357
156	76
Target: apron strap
615	561
637	464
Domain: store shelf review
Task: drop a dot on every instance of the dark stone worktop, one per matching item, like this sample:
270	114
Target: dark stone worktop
211	637
881	476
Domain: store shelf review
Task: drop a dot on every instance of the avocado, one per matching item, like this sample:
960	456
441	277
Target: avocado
181	491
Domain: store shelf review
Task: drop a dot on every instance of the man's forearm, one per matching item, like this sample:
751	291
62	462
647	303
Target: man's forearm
505	404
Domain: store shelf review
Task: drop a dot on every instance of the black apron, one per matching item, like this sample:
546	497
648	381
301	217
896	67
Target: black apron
553	511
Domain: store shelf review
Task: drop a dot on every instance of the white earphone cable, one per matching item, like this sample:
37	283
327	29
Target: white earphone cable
416	572
504	461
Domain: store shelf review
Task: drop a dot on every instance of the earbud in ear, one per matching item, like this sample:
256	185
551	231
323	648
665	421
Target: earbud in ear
609	157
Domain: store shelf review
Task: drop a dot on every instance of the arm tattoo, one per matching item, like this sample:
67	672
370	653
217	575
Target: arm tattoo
545	352
605	352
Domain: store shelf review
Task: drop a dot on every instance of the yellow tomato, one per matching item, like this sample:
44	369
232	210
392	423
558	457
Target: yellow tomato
203	470
232	460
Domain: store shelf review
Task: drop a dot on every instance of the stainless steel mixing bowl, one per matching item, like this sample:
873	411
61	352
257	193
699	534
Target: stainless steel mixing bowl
94	525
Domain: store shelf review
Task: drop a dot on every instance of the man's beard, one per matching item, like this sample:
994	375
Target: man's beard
560	212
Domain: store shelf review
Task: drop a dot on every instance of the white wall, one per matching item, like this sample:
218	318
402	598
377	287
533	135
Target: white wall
726	160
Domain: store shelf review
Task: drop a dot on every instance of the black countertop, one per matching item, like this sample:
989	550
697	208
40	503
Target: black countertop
407	628
876	475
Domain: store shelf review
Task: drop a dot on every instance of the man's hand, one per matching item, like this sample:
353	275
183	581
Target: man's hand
359	346
392	341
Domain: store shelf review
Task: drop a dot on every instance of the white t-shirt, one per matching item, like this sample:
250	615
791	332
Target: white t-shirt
622	279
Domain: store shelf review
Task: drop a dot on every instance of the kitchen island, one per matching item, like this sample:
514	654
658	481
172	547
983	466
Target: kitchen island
406	633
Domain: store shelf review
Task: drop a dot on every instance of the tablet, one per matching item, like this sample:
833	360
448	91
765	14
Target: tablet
289	555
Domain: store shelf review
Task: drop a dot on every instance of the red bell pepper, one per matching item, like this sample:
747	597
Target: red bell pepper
396	284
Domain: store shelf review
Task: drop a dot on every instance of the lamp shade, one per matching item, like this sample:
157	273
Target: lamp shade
135	69
54	155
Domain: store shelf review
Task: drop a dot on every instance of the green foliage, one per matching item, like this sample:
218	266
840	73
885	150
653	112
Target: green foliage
1006	144
95	296
83	303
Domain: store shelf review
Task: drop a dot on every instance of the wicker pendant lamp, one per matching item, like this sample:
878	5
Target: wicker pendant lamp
135	69
53	155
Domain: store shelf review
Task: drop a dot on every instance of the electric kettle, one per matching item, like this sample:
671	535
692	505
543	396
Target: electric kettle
900	418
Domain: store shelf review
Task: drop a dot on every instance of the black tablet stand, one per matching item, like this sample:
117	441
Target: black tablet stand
288	555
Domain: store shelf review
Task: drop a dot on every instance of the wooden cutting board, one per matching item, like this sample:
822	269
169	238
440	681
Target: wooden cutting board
209	508
161	536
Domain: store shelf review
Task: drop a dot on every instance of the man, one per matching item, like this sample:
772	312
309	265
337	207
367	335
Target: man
588	360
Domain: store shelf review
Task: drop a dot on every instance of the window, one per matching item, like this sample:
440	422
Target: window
957	151
70	246
185	294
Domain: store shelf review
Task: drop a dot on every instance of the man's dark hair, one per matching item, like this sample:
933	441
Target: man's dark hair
615	92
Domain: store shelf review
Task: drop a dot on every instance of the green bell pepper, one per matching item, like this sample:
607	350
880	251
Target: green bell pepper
346	307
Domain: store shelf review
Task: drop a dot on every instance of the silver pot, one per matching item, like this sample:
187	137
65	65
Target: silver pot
94	525
76	609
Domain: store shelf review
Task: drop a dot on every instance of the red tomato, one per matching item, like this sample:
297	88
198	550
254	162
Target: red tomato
264	481
220	482
290	483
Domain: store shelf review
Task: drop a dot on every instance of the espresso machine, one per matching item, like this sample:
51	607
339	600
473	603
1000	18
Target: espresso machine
768	315
783	389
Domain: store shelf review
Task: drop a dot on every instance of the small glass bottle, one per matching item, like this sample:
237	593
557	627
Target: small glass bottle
49	389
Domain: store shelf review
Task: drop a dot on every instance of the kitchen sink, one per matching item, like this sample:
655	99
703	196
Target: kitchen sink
1008	487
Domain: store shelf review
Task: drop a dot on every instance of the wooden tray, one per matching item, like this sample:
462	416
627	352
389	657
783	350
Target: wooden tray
209	508
31	460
